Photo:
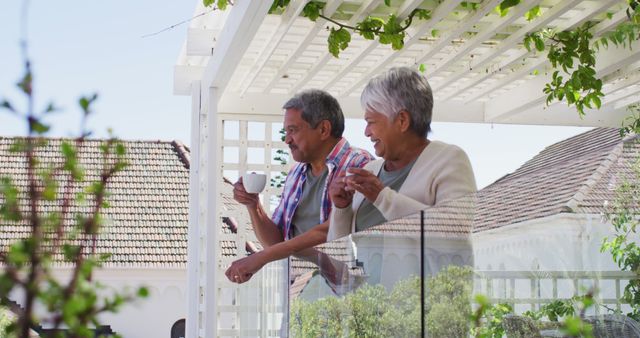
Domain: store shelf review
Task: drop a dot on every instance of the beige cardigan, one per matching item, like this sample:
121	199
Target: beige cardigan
442	172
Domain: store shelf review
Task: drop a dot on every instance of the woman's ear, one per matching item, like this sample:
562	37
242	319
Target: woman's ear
404	120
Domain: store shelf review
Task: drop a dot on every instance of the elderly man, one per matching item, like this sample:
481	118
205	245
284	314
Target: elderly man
313	123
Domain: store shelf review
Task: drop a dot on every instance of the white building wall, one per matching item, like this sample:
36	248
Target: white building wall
146	318
564	242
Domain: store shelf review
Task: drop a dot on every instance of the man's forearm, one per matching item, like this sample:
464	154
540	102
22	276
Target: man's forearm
266	231
301	245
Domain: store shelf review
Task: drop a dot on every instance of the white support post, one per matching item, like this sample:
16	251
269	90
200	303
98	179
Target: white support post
210	231
192	237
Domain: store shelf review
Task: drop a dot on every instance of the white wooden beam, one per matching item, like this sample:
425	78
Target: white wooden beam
471	44
286	20
260	104
589	11
530	94
469	20
210	254
364	10
329	9
438	14
631	98
403	13
193	248
562	115
184	76
512	41
244	19
537	63
201	41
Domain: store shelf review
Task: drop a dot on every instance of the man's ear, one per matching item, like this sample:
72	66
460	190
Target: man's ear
404	120
325	129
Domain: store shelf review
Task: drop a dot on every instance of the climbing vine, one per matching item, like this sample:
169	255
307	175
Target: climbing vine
572	53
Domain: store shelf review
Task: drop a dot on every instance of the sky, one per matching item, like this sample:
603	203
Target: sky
84	47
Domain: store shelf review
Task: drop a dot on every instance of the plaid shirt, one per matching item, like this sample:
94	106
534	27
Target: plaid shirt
342	156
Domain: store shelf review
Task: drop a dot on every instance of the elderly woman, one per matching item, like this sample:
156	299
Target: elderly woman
414	172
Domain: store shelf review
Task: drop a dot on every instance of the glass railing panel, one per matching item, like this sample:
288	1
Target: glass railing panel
364	284
448	258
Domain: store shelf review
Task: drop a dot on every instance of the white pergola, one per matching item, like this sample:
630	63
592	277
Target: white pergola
242	64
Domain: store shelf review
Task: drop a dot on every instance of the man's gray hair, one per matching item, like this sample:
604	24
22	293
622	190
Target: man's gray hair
401	88
317	105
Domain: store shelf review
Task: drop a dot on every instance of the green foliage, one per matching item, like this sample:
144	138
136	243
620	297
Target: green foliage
554	311
487	318
448	298
220	4
503	7
281	157
44	207
570	49
278	5
5	321
367	312
473	6
533	13
392	34
624	215
338	40
312	10
631	124
573	325
371	311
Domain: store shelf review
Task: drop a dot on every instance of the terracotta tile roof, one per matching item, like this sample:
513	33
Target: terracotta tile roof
337	249
576	175
450	219
147	221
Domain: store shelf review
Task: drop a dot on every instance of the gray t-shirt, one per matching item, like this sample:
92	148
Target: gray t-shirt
368	215
307	214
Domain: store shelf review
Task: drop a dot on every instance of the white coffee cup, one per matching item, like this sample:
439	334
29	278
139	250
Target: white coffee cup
254	183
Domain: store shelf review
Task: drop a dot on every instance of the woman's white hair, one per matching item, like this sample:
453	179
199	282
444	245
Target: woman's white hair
401	88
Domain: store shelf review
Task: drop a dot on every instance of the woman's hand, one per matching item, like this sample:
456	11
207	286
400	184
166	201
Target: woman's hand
364	182
340	196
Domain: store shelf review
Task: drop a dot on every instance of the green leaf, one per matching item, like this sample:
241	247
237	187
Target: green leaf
422	68
312	10
503	7
222	4
533	13
387	3
338	40
51	108
7	105
435	32
596	101
25	83
85	103
278	4
506	4
37	127
120	149
143	292
423	14
539	44
208	3
10	208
